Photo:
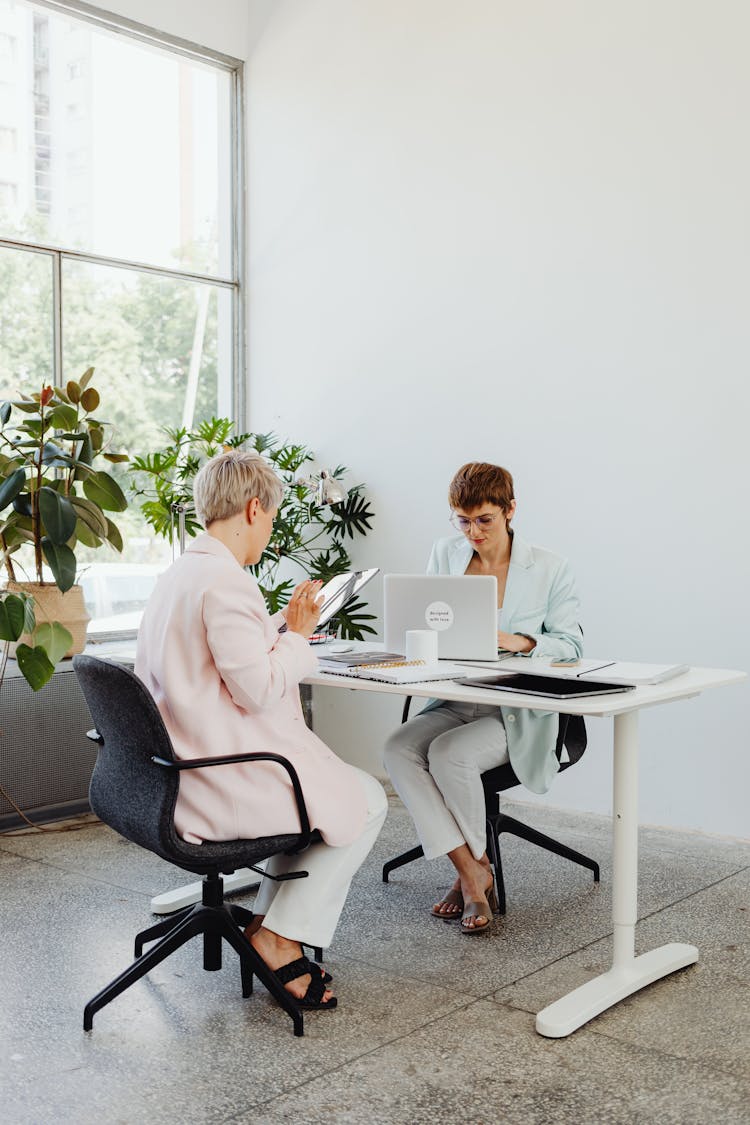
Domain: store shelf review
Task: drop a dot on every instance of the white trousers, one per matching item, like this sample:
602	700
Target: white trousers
308	910
435	761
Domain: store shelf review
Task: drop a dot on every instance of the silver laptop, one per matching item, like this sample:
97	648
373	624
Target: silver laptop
461	608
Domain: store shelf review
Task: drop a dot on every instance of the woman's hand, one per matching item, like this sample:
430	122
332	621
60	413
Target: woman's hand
302	612
515	642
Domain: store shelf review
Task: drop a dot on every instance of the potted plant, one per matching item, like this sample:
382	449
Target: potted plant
52	498
308	536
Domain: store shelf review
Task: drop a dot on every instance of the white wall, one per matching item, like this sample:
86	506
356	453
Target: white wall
519	231
222	25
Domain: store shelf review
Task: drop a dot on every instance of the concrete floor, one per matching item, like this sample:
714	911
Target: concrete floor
431	1025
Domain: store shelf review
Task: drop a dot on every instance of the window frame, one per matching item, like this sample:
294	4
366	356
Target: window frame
235	283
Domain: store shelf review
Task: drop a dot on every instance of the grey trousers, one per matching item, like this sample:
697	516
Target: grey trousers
435	761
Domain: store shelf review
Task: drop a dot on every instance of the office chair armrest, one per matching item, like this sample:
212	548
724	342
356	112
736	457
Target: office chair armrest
255	756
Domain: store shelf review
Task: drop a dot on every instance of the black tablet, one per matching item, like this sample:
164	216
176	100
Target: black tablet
551	687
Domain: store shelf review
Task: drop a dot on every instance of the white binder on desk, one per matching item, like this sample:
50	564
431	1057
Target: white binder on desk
613	671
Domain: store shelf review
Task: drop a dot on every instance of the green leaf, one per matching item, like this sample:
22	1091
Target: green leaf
11	487
12	617
91	514
5	410
113	536
22	504
353	516
90	400
85	535
351	622
85	379
54	638
63	417
116	457
62	563
106	492
73	390
58	515
35	666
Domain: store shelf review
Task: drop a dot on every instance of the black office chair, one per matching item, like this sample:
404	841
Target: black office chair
134	790
571	735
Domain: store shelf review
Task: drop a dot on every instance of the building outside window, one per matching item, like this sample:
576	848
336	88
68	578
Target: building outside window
120	243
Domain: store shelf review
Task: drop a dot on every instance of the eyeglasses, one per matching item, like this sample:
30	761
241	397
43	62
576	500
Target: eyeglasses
462	523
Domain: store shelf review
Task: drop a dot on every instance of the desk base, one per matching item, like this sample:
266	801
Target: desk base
591	999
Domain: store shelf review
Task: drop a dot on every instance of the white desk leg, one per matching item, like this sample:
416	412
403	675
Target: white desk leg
170	901
628	973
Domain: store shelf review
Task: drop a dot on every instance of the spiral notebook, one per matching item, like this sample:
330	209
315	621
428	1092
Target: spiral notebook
401	671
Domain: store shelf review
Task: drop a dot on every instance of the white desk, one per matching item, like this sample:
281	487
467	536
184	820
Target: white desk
628	973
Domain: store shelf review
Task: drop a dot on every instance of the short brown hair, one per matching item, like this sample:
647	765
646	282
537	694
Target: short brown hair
478	483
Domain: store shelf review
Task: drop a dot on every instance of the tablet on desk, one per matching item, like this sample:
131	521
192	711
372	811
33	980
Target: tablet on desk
548	686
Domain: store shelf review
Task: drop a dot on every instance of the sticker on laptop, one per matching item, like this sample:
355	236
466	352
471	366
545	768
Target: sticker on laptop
439	616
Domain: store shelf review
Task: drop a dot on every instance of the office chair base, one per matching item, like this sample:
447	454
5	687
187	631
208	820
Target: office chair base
215	921
497	823
401	861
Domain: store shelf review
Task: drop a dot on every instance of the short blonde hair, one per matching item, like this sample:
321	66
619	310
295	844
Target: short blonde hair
225	484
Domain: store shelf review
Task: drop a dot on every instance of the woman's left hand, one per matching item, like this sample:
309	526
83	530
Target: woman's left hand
514	642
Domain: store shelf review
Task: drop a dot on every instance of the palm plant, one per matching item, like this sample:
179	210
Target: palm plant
308	537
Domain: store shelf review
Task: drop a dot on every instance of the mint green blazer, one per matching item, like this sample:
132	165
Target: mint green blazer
541	602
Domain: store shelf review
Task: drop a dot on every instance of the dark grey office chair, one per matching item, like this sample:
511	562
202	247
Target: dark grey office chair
571	735
134	790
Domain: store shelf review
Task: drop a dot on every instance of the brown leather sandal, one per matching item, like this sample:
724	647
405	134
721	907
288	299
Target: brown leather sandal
481	908
451	898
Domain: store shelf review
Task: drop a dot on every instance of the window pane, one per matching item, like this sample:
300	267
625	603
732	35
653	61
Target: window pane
161	350
25	321
112	146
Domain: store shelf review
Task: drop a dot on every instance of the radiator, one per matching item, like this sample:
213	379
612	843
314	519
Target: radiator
45	758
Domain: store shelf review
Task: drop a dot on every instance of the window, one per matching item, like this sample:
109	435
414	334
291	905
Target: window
8	139
119	243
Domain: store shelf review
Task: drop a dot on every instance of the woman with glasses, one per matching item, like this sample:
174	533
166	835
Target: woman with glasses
436	759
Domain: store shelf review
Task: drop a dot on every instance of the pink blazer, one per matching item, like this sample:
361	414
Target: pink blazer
226	682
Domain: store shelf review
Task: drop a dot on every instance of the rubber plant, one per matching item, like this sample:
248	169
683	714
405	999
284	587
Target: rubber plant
308	538
52	499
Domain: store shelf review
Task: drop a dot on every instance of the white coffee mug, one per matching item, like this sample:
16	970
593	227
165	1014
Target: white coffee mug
421	644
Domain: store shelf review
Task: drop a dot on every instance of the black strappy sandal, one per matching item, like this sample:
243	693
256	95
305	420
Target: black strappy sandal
313	998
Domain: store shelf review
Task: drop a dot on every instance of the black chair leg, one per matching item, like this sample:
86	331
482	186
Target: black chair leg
186	929
214	923
160	929
401	861
493	851
258	966
518	828
241	915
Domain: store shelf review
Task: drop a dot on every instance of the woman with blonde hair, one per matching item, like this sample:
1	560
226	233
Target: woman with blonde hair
436	759
225	676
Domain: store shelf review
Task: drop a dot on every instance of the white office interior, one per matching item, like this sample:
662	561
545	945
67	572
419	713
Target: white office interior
519	233
514	231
